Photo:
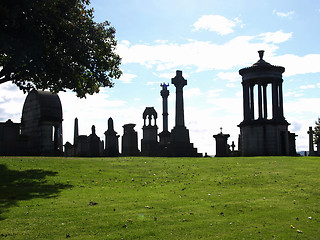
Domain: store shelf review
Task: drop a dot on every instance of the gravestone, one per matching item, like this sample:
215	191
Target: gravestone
222	147
292	144
94	143
12	142
42	123
83	145
112	143
130	141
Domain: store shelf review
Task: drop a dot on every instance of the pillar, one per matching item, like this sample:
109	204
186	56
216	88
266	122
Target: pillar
260	100
246	107
265	104
280	101
251	102
164	94
275	103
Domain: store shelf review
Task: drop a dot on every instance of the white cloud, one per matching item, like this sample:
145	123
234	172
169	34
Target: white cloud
293	93
230	76
153	83
307	86
125	42
127	77
216	23
161	41
193	92
214	93
284	14
11	102
297	65
302	106
275	37
230	85
239	51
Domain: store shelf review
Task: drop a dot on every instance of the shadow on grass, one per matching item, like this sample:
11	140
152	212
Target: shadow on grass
24	185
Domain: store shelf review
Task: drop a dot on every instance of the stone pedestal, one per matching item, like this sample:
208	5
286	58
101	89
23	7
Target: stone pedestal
265	139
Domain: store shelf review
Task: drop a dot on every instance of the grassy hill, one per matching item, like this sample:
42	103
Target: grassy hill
160	198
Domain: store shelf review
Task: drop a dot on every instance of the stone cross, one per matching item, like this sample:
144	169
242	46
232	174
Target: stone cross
179	82
233	146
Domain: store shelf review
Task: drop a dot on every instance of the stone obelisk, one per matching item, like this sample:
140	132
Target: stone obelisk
75	137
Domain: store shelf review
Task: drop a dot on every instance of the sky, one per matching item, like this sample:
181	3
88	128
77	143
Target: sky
209	41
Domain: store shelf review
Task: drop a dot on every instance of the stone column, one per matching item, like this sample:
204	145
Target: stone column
246	107
280	101
265	104
275	102
251	102
164	94
260	100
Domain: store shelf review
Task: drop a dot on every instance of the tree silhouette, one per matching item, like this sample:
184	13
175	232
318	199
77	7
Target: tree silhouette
56	45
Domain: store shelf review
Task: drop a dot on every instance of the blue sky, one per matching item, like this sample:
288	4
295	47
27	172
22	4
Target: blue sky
209	41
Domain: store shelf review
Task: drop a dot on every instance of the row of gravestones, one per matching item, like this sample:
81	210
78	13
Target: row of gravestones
92	146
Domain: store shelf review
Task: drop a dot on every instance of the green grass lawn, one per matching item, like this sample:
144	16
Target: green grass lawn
160	198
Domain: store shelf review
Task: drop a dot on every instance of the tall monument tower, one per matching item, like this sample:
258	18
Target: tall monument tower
262	133
165	134
179	141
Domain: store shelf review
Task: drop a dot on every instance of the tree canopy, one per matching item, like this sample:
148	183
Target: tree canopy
56	45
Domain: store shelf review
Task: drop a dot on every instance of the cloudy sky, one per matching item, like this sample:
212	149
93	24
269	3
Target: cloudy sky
209	40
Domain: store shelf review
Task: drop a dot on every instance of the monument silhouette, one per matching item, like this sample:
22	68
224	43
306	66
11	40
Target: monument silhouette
264	134
165	134
180	145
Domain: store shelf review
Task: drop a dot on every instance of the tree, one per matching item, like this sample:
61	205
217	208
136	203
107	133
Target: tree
56	45
317	132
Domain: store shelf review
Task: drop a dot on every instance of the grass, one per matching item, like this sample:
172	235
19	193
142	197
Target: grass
160	198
